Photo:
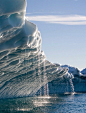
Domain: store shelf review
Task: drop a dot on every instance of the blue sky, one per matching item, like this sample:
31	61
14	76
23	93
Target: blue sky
62	24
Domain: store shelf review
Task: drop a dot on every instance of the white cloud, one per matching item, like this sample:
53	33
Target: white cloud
60	19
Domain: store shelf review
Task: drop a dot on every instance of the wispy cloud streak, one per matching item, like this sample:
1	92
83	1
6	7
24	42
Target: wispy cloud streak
60	19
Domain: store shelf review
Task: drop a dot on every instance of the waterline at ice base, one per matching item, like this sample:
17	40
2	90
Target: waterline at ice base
23	65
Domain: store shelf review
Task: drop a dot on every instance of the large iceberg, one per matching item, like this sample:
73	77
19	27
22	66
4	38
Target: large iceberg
23	66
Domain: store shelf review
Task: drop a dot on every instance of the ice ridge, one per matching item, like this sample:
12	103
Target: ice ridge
22	63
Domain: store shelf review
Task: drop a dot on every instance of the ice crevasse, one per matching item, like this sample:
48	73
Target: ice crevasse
23	66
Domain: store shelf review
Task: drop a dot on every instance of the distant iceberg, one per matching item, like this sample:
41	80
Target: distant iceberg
83	71
23	66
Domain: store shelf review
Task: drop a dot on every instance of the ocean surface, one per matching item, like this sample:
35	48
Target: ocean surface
74	103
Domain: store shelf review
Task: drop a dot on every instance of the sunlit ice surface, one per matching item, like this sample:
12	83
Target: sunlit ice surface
23	65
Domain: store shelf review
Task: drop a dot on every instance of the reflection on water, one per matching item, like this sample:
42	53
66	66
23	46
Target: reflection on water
45	104
40	104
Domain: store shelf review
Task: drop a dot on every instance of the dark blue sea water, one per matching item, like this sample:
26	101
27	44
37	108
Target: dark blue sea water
46	104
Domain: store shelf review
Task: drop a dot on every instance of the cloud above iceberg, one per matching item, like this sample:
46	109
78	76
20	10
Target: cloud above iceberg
60	19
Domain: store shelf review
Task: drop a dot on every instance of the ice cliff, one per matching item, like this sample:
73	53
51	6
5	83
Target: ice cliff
23	66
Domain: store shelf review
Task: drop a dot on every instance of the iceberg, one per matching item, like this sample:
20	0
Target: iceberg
65	85
23	66
24	69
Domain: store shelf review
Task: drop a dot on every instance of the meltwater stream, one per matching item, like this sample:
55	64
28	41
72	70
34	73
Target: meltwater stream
23	66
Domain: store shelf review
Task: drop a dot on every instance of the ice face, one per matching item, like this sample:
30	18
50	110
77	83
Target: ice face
23	66
8	7
12	18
